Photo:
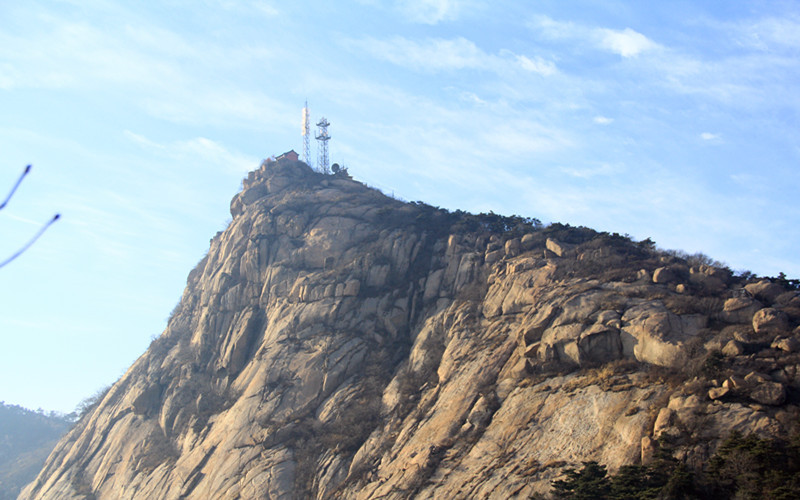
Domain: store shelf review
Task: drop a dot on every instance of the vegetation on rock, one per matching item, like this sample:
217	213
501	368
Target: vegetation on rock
743	467
338	343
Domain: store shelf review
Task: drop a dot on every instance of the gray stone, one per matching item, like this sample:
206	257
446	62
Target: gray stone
513	247
718	392
733	348
494	256
528	241
739	310
787	344
557	247
765	291
663	275
770	321
768	393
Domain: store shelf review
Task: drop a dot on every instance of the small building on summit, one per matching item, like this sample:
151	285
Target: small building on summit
289	155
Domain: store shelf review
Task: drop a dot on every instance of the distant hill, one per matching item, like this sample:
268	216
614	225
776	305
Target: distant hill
26	438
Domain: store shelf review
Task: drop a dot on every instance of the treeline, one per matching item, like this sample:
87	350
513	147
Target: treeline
26	438
744	467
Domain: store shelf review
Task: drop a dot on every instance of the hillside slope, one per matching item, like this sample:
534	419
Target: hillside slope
337	343
26	439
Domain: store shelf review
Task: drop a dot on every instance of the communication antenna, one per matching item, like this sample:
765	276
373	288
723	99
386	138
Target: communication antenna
323	138
306	135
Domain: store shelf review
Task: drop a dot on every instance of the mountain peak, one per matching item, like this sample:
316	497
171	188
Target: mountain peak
336	342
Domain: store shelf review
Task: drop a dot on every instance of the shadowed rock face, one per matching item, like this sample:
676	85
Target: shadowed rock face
336	343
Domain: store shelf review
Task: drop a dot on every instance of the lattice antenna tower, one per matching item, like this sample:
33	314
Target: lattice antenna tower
306	135
323	138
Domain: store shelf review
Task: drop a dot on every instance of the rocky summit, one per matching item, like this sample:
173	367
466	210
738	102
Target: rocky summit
339	343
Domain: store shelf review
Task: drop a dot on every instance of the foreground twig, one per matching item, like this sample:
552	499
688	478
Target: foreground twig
41	230
19	181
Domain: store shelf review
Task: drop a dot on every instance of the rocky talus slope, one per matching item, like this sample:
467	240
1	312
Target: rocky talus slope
337	343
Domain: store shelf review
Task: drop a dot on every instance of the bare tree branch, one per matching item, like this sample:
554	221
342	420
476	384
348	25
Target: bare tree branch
19	181
41	230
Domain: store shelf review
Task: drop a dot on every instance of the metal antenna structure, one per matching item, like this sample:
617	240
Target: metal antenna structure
306	135
323	138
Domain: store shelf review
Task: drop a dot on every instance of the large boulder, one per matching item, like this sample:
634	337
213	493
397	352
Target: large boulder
528	241
768	393
765	291
653	334
739	310
770	321
557	247
664	275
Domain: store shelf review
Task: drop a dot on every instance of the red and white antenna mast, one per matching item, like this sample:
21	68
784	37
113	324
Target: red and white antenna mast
306	135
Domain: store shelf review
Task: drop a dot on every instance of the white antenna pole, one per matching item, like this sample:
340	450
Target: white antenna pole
306	135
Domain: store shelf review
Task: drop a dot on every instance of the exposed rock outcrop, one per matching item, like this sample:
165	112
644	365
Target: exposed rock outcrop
337	343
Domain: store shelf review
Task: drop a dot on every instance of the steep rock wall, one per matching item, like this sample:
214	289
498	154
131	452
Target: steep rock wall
336	343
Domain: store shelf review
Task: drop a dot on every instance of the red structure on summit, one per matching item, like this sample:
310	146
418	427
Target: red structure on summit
289	155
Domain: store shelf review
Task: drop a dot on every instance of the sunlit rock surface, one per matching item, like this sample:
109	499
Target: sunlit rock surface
337	343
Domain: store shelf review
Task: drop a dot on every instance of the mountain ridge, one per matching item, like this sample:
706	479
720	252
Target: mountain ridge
26	439
337	343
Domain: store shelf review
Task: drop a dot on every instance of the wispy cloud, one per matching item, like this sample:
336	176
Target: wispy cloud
537	65
626	43
603	169
173	76
197	150
768	33
432	11
437	54
603	120
708	136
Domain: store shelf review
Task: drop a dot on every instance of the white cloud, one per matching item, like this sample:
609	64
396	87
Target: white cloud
770	33
627	43
603	120
433	54
471	98
604	169
198	150
708	136
437	54
557	30
142	141
266	9
432	11
537	65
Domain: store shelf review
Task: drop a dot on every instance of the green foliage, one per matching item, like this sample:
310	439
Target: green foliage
631	482
512	226
744	467
789	284
591	482
752	467
713	364
637	482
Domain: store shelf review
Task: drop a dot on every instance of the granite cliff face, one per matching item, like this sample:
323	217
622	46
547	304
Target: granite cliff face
336	343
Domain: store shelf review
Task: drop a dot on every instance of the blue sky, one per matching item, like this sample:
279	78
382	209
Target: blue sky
671	120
